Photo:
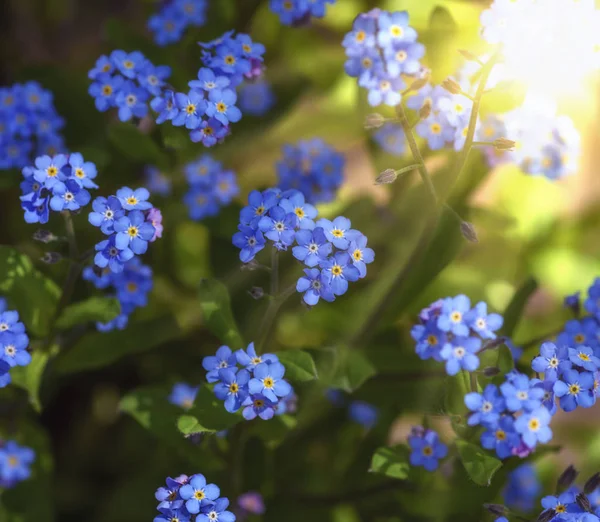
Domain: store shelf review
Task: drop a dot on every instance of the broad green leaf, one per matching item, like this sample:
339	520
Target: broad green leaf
217	314
479	465
515	308
94	309
191	253
299	365
392	462
207	415
30	377
348	369
130	141
28	291
98	349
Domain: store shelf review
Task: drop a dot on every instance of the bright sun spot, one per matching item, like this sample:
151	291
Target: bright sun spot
550	45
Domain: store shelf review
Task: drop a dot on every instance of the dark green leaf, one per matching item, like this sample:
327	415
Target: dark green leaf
128	139
299	365
515	308
392	462
348	369
479	465
207	415
28	291
98	349
191	253
30	377
217	314
94	309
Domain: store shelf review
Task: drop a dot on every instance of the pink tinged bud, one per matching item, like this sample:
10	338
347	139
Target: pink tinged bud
504	144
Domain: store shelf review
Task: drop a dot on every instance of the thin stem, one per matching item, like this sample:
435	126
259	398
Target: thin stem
483	144
269	317
414	148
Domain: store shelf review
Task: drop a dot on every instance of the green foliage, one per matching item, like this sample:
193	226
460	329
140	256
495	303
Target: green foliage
94	309
515	308
30	377
479	464
217	314
208	415
135	145
392	462
343	367
299	365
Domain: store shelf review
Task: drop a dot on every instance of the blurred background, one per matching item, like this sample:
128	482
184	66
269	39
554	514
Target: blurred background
98	463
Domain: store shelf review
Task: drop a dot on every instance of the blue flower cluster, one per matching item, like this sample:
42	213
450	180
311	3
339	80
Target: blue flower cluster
186	499
522	489
258	386
256	98
29	124
390	137
451	331
13	343
15	463
312	167
56	182
298	12
515	416
126	81
129	221
334	253
381	49
426	448
211	187
130	286
174	17
183	395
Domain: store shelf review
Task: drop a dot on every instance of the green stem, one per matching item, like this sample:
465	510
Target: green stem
414	148
274	272
269	318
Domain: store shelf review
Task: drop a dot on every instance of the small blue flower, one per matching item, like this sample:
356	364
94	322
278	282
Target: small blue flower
363	413
486	407
249	358
278	226
134	199
192	107
523	488
548	399
452	316
133	231
209	132
403	58
338	271
222	107
68	196
37	209
592	303
103	66
197	493
249	241
232	388
258	405
483	323
394	29
179	514
575	389
82	171
182	395
106	212
313	246
168	25
430	340
129	64
580	333
230	60
551	361
314	285
384	90
360	254
9	323
216	512
224	358
49	170
165	107
152	78
226	187
105	89
564	503
157	182
426	449
460	353
338	231
519	393
13	349
293	202
208	81
108	255
168	497
585	358
201	203
501	437
268	381
257	98
131	101
533	427
436	130
391	139
15	463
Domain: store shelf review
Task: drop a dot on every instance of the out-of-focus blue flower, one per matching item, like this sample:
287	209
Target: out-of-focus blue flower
391	138
157	182
426	448
257	98
522	489
183	395
252	502
15	463
363	413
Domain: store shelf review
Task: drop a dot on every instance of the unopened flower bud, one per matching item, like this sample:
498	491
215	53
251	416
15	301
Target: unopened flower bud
592	484
468	231
387	176
546	516
419	83
451	86
495	509
51	258
374	121
250	265
491	371
494	343
504	144
425	109
468	55
256	292
567	477
583	502
44	236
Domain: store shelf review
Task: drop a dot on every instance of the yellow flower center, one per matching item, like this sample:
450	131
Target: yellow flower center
268	383
534	424
233	387
336	270
132	231
13	461
131	286
199	494
396	31
299	212
190	108
579	338
132	200
208	131
436	128
455	317
221	107
584	357
357	255
259	403
106	67
574	389
80	173
107	90
401	56
360	36
500	435
428	451
336	232
432	339
259	210
553	363
52	171
246	48
560	508
128	64
34	98
367	63
230	59
256	360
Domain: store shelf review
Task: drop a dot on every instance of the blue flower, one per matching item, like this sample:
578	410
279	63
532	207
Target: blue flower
338	231
133	231
230	60
128	64
168	25
519	393
13	349
548	399
108	255
257	98
313	246
103	66
483	323
105	89
391	138
232	388
338	270
106	212
360	254
580	333
131	101
168	497
9	323
208	81
252	502
69	196
157	182
201	203
293	202
165	107
278	226
268	381
152	78
564	503
436	130
453	313
592	303
249	358
209	132
36	208
573	301
197	493
384	90
551	361
522	488
182	395
258	405
430	340
460	353
191	107
403	58
216	512
394	29
314	285
575	389
226	187
224	358
49	170
15	463
533	427
134	199
362	36
133	284
501	437
486	407
426	448
249	241
222	107
363	413
584	357
179	514
82	171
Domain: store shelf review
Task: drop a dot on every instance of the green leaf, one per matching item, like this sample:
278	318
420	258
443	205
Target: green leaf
392	462
28	291
94	309
515	308
98	349
30	377
130	141
191	253
299	365
217	314
478	464
348	369
208	415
